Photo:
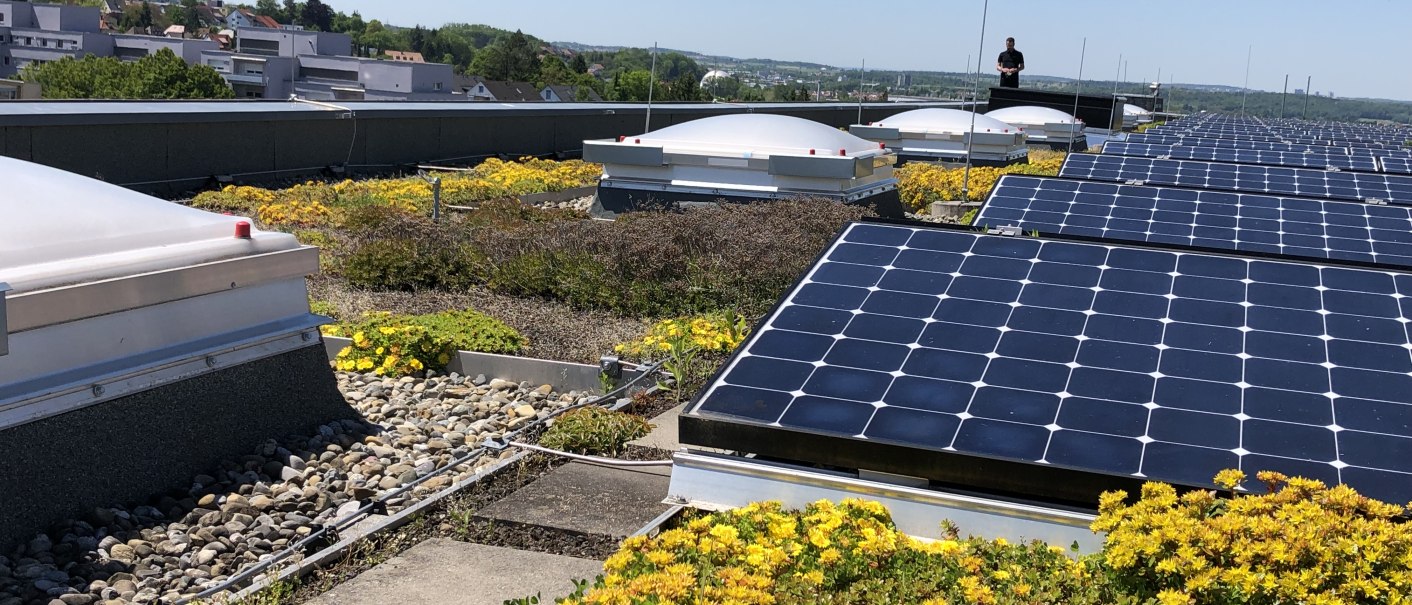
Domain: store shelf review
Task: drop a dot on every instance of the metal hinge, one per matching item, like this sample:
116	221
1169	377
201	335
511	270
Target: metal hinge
1010	230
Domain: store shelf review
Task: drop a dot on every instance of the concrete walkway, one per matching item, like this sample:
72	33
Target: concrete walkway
458	573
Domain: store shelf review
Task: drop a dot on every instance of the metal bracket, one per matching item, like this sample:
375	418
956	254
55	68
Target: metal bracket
495	445
1135	182
1165	157
1333	169
610	367
4	326
1007	230
1374	201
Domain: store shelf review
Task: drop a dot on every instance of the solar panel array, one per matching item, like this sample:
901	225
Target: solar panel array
1336	160
1170	319
1109	360
1323	229
1301	182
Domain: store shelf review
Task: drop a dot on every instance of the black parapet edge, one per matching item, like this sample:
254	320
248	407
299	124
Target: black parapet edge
1273	256
1067	157
1025	481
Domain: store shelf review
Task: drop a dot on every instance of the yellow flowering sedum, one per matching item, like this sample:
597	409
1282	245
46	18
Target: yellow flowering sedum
1302	542
920	184
315	204
762	553
689	345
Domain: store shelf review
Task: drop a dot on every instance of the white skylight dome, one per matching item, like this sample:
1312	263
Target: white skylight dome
1031	114
713	74
61	227
756	133
943	120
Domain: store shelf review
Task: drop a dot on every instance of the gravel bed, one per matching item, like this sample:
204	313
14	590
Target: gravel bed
931	218
581	204
253	506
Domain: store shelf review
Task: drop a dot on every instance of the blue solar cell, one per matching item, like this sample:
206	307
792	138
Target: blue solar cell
908	426
1289	440
1289	406
828	415
785	344
930	395
1110	360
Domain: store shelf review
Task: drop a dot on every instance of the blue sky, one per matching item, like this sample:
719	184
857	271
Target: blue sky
1354	48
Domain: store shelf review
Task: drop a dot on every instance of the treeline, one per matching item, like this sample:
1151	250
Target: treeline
161	75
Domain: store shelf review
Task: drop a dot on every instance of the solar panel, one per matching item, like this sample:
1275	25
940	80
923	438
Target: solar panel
1336	159
1300	182
1397	165
1323	229
1230	144
1060	368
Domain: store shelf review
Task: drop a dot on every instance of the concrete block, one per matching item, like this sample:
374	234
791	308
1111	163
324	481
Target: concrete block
956	209
587	498
458	573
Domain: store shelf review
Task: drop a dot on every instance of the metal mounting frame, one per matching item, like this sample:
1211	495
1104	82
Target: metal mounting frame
4	325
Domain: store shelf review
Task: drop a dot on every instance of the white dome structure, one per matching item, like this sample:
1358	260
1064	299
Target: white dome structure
742	157
712	75
1043	125
1134	115
934	134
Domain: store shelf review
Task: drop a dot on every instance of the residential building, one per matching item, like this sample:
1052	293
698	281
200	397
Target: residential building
11	90
286	43
266	61
563	94
407	56
31	33
244	17
131	47
477	88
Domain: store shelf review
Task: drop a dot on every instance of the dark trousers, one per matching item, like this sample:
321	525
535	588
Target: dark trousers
1009	80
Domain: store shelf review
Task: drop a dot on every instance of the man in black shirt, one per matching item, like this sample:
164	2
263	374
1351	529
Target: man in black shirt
1010	64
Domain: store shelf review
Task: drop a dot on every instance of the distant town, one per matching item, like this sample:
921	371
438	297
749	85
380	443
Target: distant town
275	50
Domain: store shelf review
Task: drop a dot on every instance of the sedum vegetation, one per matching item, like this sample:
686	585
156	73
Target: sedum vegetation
398	345
1301	542
921	184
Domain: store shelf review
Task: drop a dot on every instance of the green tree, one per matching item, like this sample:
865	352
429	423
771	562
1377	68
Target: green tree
136	16
632	86
317	15
162	75
190	17
553	72
685	88
268	8
580	66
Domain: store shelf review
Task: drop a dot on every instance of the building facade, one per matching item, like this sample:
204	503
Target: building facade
268	61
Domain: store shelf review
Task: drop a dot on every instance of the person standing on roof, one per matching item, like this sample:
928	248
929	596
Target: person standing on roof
1010	64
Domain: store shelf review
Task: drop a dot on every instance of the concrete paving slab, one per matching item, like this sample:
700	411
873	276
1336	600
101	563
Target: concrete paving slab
459	573
664	433
587	498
